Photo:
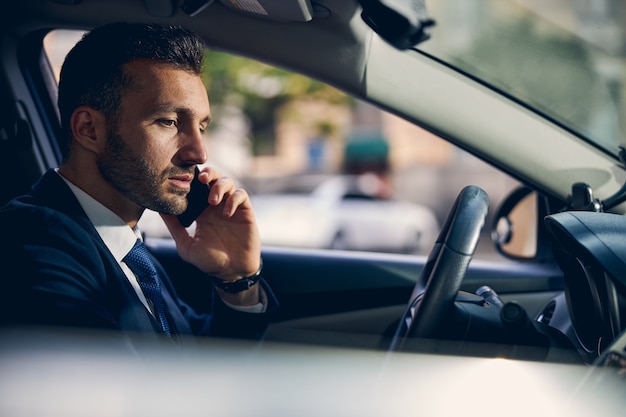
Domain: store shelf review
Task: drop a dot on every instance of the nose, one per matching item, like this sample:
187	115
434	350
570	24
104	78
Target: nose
192	149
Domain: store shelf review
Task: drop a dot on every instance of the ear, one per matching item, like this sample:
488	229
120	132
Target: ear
89	128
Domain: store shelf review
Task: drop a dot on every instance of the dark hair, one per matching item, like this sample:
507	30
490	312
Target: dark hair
92	74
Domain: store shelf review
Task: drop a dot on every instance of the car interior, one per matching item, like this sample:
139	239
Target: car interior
562	303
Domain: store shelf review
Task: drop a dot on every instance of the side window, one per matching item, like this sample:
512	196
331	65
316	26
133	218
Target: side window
57	44
325	170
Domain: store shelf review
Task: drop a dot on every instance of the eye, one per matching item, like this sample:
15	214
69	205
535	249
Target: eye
168	122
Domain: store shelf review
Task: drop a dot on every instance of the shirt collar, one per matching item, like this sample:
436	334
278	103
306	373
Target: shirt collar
116	234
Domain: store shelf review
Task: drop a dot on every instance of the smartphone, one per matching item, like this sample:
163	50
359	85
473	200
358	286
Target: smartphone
197	201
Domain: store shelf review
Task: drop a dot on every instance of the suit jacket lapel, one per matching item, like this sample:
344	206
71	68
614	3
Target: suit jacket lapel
52	191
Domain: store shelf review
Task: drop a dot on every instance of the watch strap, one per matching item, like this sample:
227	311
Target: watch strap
240	284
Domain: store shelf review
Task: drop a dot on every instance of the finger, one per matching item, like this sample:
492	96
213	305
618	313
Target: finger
209	174
238	199
220	189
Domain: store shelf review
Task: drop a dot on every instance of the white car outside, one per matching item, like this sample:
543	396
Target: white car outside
343	212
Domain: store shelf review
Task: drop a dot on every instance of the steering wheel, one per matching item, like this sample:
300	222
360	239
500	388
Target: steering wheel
447	263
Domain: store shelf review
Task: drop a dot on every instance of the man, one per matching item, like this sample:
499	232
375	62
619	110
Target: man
134	108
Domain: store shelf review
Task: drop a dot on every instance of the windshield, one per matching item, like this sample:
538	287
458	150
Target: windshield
566	59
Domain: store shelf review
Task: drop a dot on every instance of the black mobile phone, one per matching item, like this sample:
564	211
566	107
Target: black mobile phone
197	201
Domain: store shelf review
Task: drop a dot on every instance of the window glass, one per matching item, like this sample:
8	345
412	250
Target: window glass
324	170
566	59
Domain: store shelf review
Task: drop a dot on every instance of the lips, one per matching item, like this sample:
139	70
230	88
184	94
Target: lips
181	181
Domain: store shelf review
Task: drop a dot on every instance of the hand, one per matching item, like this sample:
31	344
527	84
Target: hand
226	242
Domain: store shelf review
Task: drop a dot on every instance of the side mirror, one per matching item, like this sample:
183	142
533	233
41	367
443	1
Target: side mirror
518	231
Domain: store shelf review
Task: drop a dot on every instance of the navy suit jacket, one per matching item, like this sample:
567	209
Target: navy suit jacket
62	274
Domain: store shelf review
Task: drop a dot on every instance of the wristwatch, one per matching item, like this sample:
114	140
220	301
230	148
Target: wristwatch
240	284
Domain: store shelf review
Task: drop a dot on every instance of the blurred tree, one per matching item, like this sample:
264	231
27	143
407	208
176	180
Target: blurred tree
260	91
542	72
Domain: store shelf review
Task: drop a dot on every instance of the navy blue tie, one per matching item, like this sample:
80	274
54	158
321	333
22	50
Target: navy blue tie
140	262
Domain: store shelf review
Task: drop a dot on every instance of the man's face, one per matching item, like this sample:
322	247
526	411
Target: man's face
157	139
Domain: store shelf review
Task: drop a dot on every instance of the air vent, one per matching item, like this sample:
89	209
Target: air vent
546	315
